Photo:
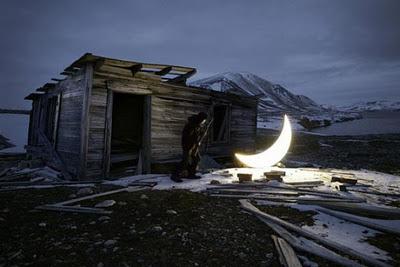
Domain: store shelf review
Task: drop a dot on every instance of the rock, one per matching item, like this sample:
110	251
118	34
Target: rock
85	191
122	203
172	212
106	203
72	196
100	264
157	229
2	219
110	243
42	224
242	255
92	222
104	218
115	249
143	196
73	227
214	182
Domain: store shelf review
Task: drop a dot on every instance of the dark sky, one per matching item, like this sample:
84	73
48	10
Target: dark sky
335	52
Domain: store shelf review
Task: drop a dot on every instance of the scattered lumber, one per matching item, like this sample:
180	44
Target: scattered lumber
342	178
362	209
361	221
274	175
306	183
287	256
255	191
299	200
61	208
309	246
246	205
126	189
244	177
373	192
339	186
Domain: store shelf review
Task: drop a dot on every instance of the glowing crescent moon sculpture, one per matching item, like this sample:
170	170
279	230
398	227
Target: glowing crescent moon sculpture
273	154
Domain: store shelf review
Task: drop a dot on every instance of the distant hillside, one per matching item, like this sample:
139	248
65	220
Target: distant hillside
275	100
373	106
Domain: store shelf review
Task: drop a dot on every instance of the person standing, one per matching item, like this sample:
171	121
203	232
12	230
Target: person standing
193	133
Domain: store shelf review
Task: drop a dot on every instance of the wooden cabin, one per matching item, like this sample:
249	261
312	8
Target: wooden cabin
107	114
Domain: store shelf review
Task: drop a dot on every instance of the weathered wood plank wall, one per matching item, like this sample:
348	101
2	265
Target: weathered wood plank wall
171	105
68	140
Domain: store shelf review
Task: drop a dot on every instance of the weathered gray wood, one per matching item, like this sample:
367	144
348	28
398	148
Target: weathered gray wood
360	220
265	191
362	209
146	151
309	246
306	233
85	119
54	155
61	208
287	256
108	133
125	189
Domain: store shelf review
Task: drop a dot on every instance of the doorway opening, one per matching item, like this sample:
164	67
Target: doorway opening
127	132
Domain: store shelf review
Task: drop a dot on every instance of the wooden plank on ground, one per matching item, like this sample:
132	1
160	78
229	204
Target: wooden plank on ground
362	209
126	189
360	220
309	246
287	256
61	208
307	233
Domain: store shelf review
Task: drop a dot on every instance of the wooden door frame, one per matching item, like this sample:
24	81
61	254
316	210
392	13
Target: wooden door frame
146	131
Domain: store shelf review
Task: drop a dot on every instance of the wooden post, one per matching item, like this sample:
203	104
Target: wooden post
108	133
85	119
146	155
56	118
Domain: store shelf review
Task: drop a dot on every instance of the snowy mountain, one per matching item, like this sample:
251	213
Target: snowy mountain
273	98
373	106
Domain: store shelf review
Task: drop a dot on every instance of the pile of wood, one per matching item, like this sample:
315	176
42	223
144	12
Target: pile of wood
290	238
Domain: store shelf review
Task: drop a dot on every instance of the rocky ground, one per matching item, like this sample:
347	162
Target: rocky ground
175	227
146	228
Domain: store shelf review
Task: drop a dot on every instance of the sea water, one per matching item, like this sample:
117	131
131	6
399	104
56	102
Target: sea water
376	122
15	128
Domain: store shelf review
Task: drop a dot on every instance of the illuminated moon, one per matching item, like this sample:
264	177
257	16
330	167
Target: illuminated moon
273	154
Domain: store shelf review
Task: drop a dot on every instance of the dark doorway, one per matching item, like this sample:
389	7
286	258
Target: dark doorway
127	132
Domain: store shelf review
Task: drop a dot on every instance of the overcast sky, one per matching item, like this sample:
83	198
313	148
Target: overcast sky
335	52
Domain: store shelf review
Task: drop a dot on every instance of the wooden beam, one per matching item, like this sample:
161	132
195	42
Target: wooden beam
287	256
107	133
309	246
87	96
146	153
182	78
164	71
361	221
73	209
57	80
246	205
134	68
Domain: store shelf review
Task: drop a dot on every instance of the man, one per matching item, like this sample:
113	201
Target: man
192	135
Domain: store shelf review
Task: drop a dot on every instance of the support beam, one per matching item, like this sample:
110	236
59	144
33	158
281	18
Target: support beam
164	71
370	261
182	78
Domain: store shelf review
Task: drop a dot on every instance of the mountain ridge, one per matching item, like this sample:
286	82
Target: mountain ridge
273	98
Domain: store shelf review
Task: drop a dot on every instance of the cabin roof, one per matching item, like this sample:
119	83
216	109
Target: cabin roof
168	73
172	74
